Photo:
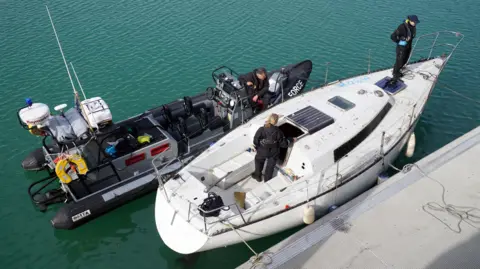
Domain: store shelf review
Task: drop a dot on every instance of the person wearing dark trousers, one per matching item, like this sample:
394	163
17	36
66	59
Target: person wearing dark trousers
256	83
403	37
268	140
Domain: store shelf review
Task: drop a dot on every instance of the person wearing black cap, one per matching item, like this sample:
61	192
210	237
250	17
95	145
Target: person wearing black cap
403	37
257	85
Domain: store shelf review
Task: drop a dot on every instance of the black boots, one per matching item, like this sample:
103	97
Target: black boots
257	177
393	81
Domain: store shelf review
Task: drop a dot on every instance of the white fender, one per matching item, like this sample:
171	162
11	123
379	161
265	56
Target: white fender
308	214
410	146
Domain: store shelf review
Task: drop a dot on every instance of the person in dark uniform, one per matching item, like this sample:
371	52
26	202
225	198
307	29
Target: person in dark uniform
268	140
403	37
256	83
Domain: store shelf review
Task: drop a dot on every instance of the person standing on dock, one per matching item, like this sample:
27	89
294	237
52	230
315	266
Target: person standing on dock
268	140
256	83
403	37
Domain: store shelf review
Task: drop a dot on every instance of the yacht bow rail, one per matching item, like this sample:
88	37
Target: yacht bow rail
416	49
435	45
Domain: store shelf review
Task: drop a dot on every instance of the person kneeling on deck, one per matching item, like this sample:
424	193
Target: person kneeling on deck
256	84
268	140
403	37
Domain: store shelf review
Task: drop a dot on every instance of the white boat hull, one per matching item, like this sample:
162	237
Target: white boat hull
198	241
294	217
341	160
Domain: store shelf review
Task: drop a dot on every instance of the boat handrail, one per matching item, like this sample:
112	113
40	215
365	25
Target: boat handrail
308	185
433	45
253	209
158	174
216	209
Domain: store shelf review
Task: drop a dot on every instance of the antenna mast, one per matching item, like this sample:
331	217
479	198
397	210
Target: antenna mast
78	81
61	51
68	71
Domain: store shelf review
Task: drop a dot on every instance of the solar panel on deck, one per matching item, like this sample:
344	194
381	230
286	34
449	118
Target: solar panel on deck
311	119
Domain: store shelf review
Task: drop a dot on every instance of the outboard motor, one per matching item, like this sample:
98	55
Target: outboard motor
97	112
65	127
276	86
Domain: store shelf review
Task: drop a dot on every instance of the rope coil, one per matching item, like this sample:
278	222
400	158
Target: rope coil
462	213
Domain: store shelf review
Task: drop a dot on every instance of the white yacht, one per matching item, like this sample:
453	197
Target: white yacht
346	133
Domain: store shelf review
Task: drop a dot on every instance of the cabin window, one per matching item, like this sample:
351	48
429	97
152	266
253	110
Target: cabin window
341	102
356	140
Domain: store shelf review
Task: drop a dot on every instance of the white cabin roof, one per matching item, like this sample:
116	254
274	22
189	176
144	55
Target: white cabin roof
368	100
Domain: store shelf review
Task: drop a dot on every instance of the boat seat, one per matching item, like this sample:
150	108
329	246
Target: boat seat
194	127
261	192
235	169
202	116
251	200
277	183
198	107
264	190
181	127
187	106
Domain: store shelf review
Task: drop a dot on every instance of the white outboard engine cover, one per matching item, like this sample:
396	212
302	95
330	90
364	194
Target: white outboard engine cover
96	111
236	84
35	115
275	82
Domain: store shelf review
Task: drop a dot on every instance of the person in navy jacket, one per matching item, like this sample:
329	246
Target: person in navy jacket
403	37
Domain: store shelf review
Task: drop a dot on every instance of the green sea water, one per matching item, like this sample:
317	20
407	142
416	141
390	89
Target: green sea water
139	54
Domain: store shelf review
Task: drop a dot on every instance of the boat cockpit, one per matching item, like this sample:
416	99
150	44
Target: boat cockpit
233	98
